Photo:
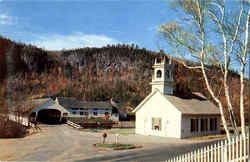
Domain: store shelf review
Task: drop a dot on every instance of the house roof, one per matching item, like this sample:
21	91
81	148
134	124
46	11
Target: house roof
69	102
193	105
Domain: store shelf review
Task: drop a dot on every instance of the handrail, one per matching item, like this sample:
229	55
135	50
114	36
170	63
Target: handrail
73	124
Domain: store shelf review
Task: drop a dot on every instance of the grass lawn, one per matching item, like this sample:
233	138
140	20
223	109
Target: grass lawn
122	131
117	146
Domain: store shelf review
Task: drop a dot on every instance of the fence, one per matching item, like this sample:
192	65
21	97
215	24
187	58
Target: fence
235	150
124	124
21	120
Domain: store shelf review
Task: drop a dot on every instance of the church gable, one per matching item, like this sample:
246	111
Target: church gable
157	102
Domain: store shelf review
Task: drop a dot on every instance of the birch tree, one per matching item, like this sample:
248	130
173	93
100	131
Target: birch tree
213	33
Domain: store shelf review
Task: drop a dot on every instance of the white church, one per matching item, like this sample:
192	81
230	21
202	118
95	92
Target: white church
162	113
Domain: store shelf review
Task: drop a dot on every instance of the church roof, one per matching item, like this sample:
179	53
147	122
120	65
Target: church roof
192	105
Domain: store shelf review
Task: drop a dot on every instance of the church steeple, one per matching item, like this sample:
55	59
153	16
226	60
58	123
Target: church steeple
162	78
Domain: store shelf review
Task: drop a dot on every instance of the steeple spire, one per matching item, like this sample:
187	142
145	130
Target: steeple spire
162	78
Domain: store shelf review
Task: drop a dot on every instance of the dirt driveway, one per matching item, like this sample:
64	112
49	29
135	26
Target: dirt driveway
63	143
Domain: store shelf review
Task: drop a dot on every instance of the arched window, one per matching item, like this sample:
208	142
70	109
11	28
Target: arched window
158	74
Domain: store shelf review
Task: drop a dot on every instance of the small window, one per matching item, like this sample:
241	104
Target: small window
81	113
75	109
158	74
86	113
156	124
95	113
73	112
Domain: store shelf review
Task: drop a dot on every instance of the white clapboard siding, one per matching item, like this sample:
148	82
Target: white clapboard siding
233	150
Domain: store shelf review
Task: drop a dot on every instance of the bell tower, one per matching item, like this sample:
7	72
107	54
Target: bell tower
162	78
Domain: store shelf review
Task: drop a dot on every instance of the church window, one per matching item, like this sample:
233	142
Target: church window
158	74
194	125
156	124
204	125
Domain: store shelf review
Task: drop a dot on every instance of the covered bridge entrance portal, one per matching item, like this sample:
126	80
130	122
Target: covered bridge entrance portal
50	112
49	116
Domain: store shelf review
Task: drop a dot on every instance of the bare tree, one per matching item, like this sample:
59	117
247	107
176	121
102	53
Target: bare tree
211	34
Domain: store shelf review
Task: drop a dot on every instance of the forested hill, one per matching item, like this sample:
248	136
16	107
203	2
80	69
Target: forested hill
97	74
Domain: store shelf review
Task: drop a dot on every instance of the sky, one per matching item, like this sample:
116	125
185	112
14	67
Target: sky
67	24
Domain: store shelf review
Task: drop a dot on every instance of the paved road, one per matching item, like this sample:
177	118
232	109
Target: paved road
63	143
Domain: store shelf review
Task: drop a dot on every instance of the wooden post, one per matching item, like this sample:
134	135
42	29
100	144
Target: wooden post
225	151
204	157
211	150
208	153
195	155
241	146
237	147
198	155
219	154
233	148
230	150
216	151
244	148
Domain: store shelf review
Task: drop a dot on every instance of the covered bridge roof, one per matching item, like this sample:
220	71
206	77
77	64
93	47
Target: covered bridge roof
50	104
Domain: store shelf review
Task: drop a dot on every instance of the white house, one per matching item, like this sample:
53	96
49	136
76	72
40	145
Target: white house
89	109
162	113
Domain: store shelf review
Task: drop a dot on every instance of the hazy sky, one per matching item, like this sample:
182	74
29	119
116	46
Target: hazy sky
57	24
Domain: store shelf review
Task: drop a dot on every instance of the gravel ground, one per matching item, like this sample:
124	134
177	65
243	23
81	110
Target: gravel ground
63	143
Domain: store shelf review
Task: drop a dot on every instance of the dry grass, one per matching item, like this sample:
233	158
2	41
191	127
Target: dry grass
209	137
